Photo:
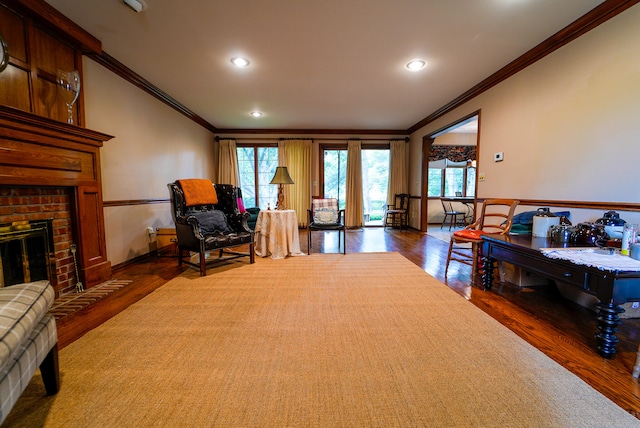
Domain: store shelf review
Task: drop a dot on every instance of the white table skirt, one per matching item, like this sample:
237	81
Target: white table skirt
276	234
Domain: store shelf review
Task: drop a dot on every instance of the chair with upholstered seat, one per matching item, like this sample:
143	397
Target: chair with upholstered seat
396	214
495	218
253	211
324	215
208	220
452	215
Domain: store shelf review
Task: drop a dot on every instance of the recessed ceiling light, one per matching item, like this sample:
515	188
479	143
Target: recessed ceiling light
416	64
240	62
135	5
256	113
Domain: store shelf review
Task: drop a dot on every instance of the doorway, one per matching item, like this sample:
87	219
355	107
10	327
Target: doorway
449	165
375	178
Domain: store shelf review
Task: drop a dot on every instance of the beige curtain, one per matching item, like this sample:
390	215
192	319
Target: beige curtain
228	162
296	156
354	216
398	176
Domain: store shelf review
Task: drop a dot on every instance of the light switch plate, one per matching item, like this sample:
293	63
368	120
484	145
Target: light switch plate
498	157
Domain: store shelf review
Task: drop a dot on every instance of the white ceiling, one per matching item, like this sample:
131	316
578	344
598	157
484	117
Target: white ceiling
319	64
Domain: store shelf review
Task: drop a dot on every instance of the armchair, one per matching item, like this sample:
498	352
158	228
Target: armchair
253	211
325	215
207	218
253	217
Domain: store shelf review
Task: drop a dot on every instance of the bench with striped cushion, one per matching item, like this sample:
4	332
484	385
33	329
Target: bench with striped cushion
28	340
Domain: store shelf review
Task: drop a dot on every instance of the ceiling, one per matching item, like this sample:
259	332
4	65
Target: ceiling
319	64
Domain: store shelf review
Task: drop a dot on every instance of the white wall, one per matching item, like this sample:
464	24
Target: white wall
456	139
153	145
569	125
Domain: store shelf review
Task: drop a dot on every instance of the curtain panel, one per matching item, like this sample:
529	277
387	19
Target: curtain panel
296	156
227	162
398	174
354	212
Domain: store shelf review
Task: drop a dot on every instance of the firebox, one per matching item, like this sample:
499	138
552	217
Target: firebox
26	252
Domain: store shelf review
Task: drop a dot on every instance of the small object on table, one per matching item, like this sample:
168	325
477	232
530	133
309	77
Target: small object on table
606	251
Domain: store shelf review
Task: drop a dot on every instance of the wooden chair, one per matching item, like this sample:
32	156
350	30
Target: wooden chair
396	214
495	218
325	215
452	215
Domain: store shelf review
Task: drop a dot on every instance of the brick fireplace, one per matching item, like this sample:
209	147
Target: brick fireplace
51	170
18	204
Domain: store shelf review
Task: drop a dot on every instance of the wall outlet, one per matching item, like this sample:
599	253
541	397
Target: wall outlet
481	176
498	157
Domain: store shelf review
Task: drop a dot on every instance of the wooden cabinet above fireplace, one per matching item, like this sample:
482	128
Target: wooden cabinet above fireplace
38	148
39	152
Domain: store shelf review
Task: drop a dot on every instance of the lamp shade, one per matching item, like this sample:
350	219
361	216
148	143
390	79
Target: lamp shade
281	176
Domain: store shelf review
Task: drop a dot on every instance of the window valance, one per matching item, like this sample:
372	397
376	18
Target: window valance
447	163
454	153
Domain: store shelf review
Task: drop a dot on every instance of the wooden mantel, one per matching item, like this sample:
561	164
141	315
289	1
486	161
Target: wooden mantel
37	151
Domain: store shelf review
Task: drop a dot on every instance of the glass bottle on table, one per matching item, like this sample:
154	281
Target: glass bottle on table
629	236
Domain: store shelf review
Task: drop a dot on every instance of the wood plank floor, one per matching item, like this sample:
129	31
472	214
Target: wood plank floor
558	327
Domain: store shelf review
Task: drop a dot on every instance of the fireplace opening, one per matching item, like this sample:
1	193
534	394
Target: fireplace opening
26	252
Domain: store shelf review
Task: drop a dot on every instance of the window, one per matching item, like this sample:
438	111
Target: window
448	180
471	182
335	175
256	166
436	179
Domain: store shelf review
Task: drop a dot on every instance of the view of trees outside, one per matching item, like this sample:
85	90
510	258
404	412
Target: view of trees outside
454	181
471	182
375	179
434	187
375	176
335	175
257	163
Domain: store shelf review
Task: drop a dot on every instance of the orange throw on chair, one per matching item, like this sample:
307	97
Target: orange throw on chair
198	191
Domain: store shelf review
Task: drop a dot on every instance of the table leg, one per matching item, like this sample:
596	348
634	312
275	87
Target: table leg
607	322
487	272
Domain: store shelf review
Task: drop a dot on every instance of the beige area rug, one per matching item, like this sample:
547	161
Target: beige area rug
321	341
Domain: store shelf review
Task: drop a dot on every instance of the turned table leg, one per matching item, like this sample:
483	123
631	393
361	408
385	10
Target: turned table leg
607	322
487	274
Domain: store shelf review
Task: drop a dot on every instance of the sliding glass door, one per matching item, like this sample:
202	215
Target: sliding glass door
375	179
335	175
375	176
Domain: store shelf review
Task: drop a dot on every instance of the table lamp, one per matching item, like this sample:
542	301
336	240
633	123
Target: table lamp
281	177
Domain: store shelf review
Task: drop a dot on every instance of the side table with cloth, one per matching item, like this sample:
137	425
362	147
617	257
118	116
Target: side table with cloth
277	234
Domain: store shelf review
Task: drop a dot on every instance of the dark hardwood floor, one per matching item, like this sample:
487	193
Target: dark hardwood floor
561	329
